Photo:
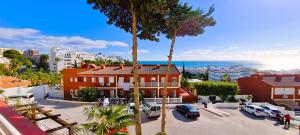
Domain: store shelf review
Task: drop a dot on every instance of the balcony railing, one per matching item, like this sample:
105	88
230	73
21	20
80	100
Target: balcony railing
169	84
152	84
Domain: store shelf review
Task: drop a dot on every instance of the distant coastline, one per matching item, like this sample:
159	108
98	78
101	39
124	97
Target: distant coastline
204	64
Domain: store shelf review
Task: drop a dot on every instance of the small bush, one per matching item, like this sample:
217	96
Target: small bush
161	133
88	94
232	99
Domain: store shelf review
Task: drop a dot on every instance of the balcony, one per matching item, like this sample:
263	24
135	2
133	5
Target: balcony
148	84
169	84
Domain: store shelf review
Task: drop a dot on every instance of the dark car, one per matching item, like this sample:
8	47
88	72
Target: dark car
188	111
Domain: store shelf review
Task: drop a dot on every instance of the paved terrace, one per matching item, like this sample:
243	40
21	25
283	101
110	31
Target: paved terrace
237	123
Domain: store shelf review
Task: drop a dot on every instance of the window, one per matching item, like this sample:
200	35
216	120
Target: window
298	91
76	92
71	79
75	79
101	80
84	79
111	80
163	79
71	92
131	80
93	79
284	91
153	78
279	91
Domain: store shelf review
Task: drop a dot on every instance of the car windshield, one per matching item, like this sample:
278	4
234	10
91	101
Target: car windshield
191	108
276	111
260	109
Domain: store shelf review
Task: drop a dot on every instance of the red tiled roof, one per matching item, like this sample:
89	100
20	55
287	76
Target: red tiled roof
281	81
10	82
144	69
22	124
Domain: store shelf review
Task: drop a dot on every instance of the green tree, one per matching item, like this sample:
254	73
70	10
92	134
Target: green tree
88	94
144	19
2	69
226	78
107	120
12	54
180	22
43	63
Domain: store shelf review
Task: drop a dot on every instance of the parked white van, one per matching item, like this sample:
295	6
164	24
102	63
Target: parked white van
152	110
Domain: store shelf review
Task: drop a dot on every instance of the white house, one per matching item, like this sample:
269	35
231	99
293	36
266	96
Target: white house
61	58
235	72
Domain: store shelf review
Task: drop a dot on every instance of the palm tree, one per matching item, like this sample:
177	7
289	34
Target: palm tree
107	120
226	78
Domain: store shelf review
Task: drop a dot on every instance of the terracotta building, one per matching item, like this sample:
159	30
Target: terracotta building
117	81
271	88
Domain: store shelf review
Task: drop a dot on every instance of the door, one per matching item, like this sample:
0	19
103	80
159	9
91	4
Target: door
112	93
142	81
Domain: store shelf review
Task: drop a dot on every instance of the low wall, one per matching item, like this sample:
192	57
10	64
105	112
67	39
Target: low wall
227	105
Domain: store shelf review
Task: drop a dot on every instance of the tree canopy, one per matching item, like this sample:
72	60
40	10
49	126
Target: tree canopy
12	54
150	15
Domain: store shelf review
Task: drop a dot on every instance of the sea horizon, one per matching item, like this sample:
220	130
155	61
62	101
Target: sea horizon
219	63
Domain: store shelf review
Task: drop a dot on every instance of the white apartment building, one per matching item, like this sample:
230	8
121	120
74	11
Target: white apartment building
61	58
235	72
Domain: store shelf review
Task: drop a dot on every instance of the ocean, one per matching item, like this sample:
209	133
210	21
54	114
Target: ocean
200	64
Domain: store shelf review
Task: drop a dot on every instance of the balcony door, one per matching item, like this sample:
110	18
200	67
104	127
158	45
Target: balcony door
142	81
153	81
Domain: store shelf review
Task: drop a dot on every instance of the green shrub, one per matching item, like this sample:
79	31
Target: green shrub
88	94
221	89
232	99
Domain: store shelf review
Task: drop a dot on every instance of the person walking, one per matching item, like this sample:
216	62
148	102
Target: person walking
287	120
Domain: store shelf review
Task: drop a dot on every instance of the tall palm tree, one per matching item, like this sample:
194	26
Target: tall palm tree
107	120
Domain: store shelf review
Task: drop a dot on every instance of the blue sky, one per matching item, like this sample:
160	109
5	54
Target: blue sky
265	30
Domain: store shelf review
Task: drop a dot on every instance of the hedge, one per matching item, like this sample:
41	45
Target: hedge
88	94
221	89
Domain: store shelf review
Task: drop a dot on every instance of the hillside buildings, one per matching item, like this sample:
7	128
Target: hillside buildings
234	72
117	81
61	58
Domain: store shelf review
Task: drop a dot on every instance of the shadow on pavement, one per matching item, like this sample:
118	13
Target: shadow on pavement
145	119
180	117
57	105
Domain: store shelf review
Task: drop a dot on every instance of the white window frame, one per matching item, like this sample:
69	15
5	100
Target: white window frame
101	79
93	79
75	79
75	92
111	79
84	79
71	79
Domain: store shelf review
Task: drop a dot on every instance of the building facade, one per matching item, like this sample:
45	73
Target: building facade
117	81
61	58
234	72
271	87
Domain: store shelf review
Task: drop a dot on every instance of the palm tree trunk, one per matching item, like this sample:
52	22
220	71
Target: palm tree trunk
138	128
163	117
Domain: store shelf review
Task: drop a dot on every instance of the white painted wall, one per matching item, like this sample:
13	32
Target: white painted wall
39	92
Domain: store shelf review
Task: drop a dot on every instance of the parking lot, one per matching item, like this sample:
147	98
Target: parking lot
238	123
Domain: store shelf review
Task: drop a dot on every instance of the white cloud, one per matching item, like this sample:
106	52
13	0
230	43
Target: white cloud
197	52
233	47
140	51
31	38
